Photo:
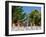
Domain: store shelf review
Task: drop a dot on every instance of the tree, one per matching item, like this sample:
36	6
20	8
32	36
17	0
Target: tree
17	14
35	17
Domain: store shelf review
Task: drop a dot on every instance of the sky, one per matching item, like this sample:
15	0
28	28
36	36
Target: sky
28	9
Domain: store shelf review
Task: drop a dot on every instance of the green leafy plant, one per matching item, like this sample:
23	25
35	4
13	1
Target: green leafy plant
17	14
35	17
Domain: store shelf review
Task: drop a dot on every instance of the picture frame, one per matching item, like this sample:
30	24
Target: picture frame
9	5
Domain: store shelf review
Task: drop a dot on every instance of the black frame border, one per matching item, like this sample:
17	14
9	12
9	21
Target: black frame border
7	17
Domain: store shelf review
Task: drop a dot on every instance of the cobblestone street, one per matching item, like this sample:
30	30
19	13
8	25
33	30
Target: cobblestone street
26	28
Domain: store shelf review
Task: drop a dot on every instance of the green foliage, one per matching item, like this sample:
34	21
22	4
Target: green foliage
35	17
17	13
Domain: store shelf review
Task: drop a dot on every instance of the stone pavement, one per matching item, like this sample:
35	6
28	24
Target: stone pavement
26	28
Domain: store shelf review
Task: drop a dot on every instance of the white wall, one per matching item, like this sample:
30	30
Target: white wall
2	19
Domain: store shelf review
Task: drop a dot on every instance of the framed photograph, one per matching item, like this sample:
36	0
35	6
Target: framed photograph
24	18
